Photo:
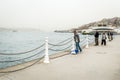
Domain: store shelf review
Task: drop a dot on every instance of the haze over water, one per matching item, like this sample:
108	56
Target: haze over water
49	15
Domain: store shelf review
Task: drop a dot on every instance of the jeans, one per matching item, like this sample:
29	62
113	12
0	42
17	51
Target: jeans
78	47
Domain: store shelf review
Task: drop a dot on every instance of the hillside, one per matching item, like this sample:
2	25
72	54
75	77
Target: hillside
114	22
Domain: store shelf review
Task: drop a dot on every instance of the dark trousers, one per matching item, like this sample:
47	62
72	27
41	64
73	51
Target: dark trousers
103	42
111	37
96	41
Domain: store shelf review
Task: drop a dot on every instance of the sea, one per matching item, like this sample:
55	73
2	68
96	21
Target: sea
32	42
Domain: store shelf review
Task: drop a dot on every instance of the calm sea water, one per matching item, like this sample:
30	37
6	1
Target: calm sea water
25	40
20	41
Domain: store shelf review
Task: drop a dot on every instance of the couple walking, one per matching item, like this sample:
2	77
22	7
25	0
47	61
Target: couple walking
103	41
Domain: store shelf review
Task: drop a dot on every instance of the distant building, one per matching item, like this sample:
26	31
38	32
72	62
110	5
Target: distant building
101	29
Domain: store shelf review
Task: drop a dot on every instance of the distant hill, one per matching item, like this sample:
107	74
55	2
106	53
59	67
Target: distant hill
4	29
19	29
114	22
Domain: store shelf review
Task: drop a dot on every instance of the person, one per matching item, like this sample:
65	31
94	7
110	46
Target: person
103	39
96	35
77	41
109	37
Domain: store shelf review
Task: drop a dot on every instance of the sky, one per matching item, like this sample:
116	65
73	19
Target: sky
50	15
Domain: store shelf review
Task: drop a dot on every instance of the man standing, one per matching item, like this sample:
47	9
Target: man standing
96	38
77	41
111	35
108	34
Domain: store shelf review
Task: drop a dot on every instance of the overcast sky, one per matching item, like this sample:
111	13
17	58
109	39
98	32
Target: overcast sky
55	14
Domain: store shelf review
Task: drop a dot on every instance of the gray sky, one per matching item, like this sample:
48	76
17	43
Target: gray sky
55	14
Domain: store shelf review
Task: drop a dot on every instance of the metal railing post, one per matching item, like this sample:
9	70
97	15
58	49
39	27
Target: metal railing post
46	58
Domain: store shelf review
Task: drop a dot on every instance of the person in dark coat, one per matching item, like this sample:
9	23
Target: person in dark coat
96	35
111	35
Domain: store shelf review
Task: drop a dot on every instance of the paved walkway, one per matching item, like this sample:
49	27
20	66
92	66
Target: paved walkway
95	63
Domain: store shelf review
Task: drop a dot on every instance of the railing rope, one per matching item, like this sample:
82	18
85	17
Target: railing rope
20	53
10	71
66	44
61	49
60	44
23	58
46	58
73	46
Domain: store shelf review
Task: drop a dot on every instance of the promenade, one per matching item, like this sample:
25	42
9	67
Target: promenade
94	63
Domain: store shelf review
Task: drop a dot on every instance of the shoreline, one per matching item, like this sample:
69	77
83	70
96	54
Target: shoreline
52	56
29	63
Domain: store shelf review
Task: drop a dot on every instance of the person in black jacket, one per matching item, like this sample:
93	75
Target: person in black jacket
108	34
96	35
111	35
